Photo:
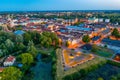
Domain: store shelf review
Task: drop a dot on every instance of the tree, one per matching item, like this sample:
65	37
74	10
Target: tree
67	43
11	73
35	36
19	39
32	49
19	27
47	39
4	50
27	38
105	46
113	78
5	35
1	28
43	40
116	33
19	47
9	45
26	59
100	78
86	39
47	45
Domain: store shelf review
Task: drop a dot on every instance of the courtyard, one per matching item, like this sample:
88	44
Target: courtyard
72	58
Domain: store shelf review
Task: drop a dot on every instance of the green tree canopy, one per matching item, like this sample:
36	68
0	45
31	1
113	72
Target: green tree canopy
26	59
9	45
19	47
100	78
19	39
35	36
116	33
11	73
32	49
27	38
86	39
6	35
47	39
4	50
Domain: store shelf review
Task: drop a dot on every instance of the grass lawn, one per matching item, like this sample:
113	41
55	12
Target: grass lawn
104	52
59	70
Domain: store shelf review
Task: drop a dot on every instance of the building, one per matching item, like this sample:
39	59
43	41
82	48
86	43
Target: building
96	39
93	20
100	20
107	20
9	61
76	20
111	42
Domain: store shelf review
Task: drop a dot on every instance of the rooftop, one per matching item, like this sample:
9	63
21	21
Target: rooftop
111	42
10	59
96	38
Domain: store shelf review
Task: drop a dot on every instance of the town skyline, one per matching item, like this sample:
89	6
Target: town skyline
60	40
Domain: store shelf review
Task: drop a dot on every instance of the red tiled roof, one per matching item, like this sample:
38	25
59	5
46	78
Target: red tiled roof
10	59
1	69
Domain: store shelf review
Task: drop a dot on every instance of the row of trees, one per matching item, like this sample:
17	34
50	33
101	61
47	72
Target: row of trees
11	43
80	75
45	39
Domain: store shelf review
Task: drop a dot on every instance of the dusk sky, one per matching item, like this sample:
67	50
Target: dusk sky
13	5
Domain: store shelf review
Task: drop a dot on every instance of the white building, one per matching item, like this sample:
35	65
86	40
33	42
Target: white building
100	20
107	20
93	20
9	61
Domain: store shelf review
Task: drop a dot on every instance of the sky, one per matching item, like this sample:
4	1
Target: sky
28	5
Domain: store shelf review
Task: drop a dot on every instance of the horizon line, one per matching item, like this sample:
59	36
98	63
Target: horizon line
58	10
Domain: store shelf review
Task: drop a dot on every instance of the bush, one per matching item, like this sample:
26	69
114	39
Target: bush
83	72
113	63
